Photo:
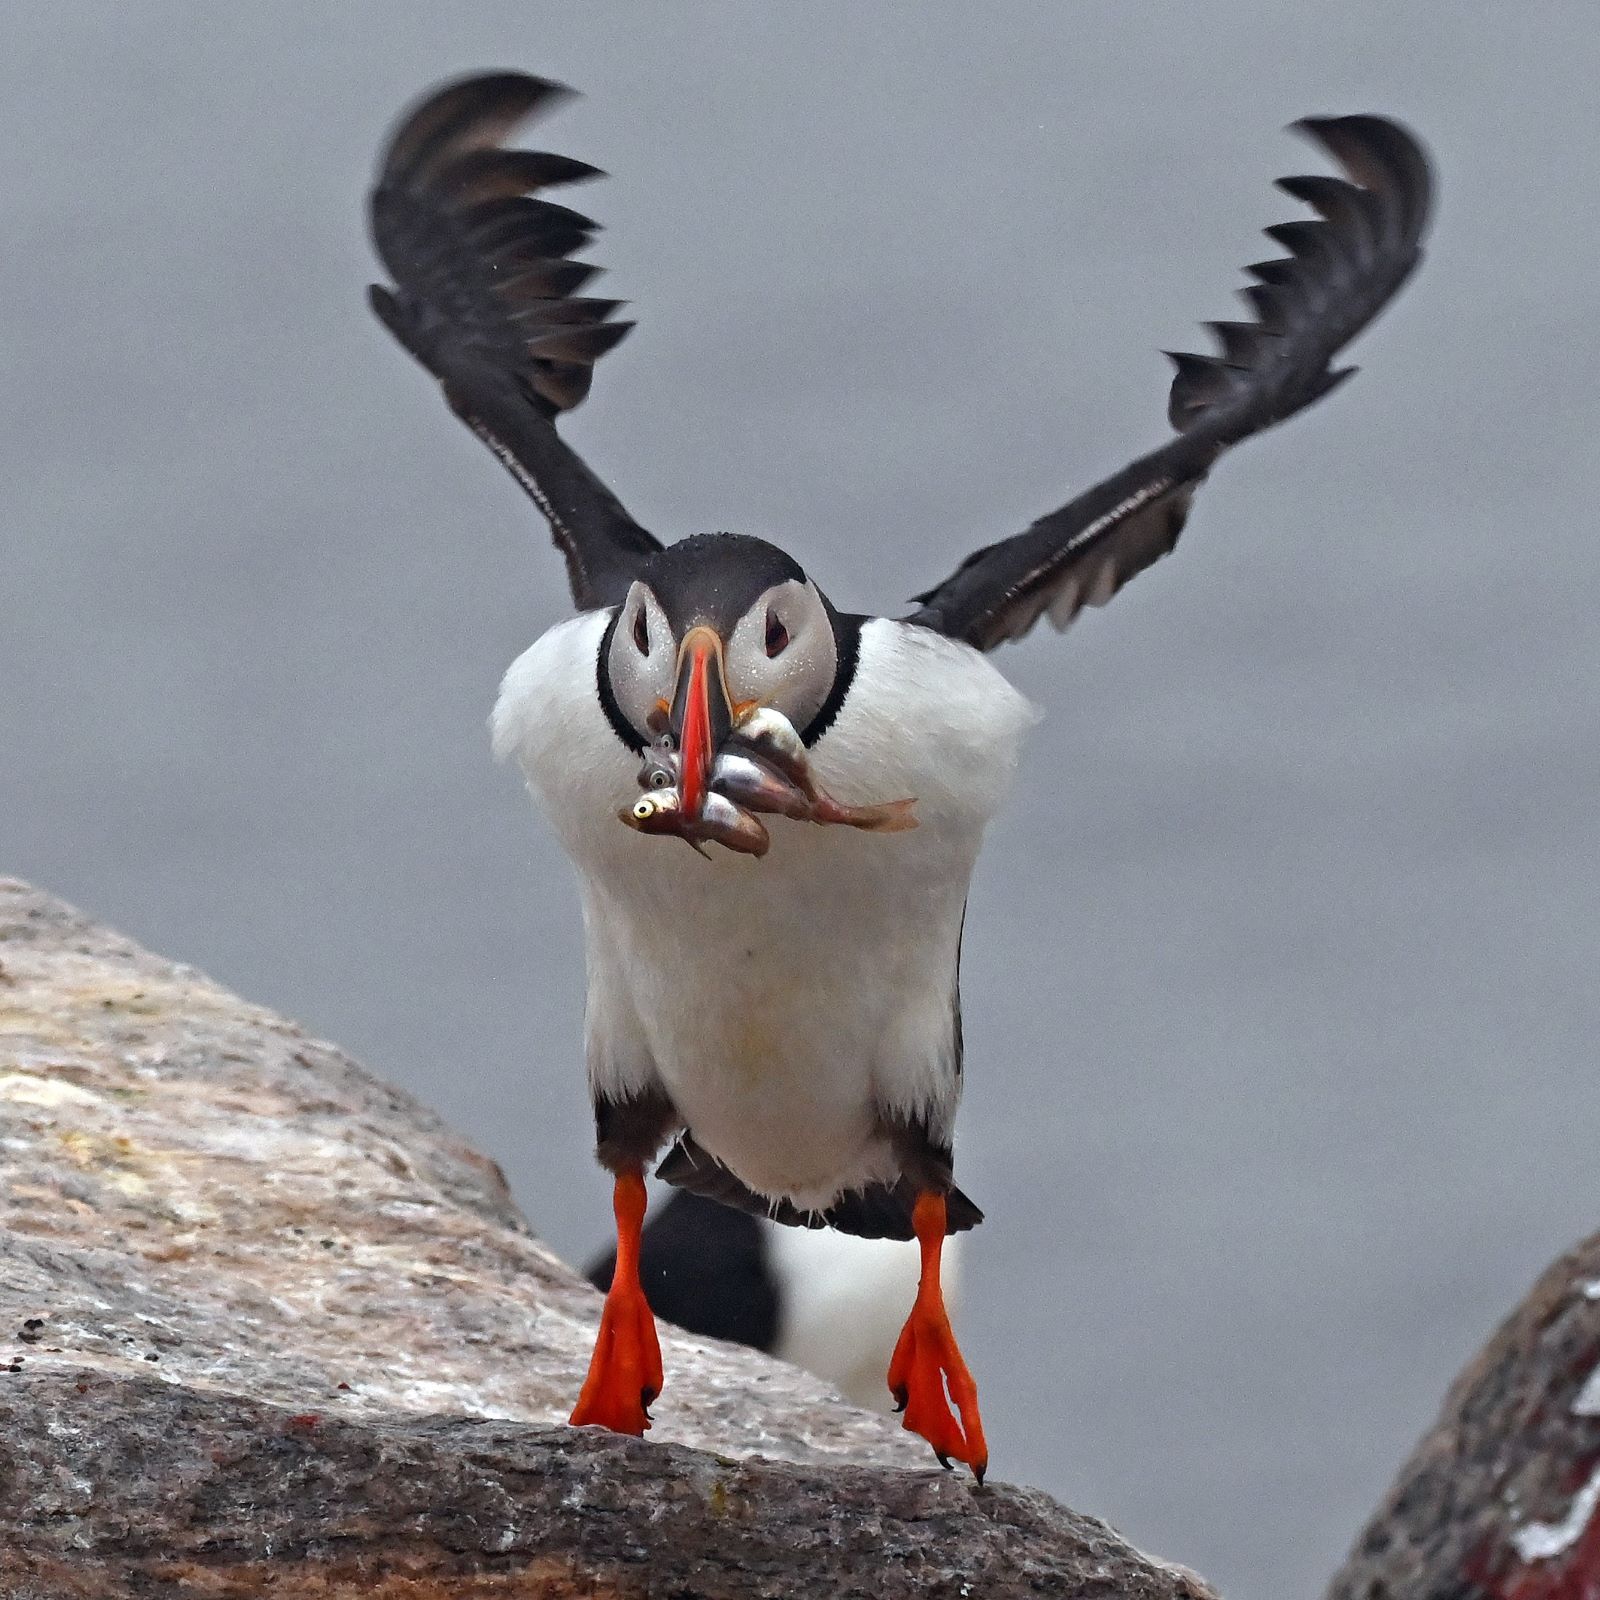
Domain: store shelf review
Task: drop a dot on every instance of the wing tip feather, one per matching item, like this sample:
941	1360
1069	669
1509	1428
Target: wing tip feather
1342	268
480	260
471	110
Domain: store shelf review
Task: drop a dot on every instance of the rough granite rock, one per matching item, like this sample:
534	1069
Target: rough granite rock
1499	1501
268	1327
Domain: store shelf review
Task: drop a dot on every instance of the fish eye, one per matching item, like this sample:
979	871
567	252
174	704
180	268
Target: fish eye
643	810
641	632
777	634
660	780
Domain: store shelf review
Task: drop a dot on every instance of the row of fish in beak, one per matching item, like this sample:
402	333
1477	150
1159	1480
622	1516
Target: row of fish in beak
762	767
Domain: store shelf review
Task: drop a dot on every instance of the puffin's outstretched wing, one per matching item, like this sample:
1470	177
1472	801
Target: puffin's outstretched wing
1339	274
485	298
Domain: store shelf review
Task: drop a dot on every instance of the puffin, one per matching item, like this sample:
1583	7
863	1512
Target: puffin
787	1028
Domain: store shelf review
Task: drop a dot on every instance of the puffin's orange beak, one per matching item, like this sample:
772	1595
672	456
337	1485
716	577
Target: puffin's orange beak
701	715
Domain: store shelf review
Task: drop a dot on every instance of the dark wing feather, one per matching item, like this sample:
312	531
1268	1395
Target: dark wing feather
1341	270
485	298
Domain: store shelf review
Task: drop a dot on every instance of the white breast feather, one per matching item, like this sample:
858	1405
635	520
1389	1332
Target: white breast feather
780	1001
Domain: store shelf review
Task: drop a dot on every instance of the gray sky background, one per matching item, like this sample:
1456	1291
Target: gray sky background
1280	968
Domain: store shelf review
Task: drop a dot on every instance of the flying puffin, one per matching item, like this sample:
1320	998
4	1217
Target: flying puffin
791	1026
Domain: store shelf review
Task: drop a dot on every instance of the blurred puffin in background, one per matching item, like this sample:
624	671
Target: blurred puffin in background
791	1025
814	1297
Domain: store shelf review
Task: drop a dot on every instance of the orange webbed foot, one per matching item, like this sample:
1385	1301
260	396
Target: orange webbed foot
927	1375
625	1369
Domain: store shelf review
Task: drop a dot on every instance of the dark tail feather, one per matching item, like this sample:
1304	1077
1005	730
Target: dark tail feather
883	1211
879	1211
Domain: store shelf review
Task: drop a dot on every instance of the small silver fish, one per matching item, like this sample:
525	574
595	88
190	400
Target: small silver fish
749	782
659	769
770	735
721	821
765	767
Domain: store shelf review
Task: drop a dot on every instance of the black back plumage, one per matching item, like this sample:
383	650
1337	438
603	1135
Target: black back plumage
706	1269
1340	272
485	297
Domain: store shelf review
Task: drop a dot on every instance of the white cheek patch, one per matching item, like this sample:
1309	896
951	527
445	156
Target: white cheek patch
800	677
638	681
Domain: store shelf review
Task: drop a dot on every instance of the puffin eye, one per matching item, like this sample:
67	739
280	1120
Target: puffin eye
777	634
641	632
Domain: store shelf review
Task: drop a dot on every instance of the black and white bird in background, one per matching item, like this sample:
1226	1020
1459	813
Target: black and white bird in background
784	1011
826	1301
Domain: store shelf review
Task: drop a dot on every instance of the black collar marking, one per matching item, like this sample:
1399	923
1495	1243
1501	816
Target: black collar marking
847	642
708	1269
620	725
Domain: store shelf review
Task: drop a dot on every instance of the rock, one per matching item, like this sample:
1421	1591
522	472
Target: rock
1499	1500
268	1327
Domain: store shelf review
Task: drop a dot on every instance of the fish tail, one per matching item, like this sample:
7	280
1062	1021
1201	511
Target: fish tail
893	816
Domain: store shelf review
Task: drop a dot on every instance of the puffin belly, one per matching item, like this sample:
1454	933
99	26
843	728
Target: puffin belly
785	1002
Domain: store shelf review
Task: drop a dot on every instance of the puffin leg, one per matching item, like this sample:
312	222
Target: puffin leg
625	1369
926	1372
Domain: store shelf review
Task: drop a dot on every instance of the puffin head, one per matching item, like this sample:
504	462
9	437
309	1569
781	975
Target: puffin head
712	626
